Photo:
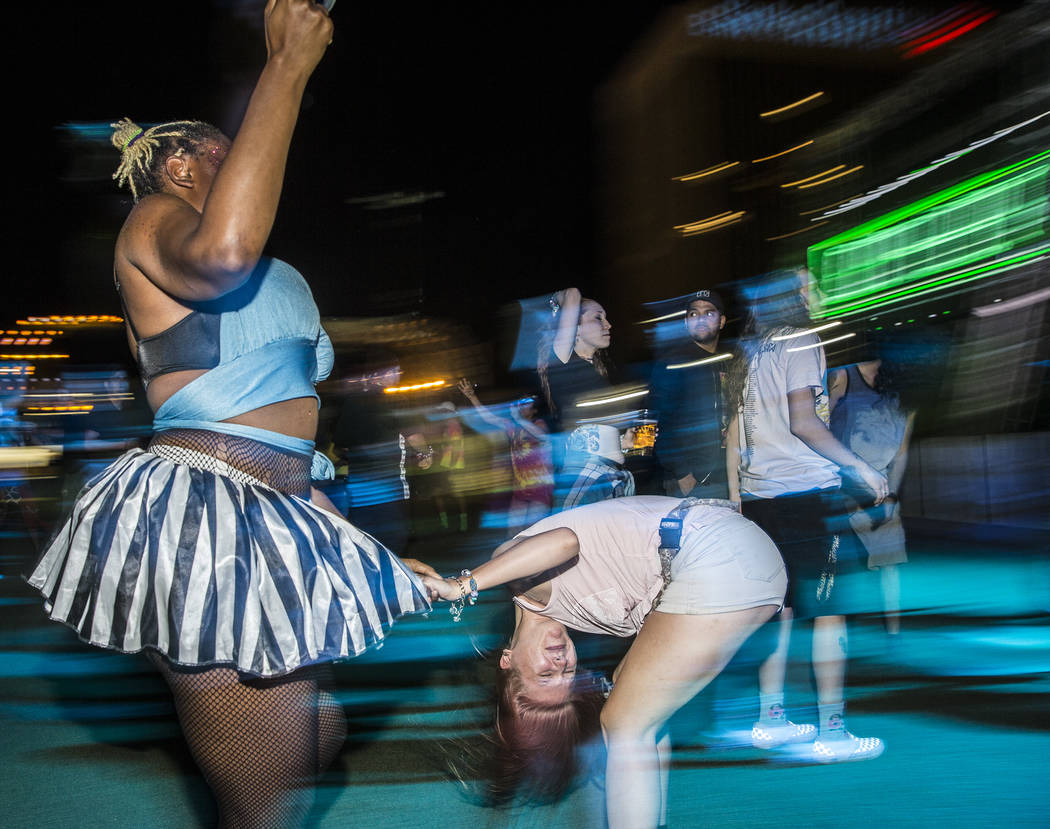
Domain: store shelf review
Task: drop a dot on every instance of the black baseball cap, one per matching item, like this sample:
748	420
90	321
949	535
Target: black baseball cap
705	295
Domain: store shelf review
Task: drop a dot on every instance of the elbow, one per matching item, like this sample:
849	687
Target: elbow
227	267
803	429
568	543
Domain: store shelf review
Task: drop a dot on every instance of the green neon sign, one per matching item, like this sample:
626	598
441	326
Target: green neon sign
965	232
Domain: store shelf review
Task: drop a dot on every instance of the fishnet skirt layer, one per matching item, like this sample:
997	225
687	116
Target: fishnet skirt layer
203	562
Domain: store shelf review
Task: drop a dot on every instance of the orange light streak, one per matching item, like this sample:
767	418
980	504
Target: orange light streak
798	103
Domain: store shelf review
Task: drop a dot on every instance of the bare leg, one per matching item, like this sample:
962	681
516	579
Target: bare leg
672	659
829	657
890	581
663	748
771	673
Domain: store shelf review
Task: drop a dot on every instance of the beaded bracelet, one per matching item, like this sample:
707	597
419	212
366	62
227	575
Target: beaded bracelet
473	586
468	594
455	609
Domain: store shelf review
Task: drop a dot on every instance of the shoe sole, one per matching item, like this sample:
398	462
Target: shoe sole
852	758
805	737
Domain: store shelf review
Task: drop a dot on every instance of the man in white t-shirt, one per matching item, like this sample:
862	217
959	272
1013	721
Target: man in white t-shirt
785	471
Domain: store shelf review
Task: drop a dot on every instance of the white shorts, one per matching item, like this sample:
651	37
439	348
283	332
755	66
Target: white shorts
725	563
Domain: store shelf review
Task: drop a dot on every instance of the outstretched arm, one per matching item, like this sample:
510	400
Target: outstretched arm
535	428
519	560
467	390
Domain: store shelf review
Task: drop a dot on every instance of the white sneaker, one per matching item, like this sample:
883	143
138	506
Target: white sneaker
774	735
847	748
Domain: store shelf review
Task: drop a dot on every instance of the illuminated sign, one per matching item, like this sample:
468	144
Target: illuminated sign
986	224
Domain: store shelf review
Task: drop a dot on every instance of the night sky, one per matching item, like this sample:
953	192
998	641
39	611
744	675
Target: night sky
488	104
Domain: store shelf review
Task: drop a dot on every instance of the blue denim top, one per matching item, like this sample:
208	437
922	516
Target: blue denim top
271	348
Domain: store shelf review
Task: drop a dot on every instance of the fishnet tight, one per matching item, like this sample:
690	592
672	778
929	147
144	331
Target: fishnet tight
284	471
259	742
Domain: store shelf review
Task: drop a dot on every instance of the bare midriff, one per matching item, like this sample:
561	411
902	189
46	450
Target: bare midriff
296	417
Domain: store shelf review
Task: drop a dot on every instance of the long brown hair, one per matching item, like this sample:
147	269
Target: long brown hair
539	747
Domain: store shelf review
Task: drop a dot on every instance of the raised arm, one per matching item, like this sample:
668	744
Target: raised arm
537	429
567	322
208	243
467	390
515	560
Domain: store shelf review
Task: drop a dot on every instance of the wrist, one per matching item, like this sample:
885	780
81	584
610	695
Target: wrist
287	68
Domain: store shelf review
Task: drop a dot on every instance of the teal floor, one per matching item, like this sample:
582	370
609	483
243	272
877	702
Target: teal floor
89	739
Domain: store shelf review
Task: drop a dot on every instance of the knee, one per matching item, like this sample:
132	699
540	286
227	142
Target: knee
621	724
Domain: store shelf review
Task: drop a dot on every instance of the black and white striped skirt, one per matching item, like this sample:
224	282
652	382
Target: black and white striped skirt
208	566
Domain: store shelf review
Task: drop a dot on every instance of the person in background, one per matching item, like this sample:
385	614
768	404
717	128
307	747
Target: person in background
687	397
530	457
868	418
574	369
455	475
378	442
783	466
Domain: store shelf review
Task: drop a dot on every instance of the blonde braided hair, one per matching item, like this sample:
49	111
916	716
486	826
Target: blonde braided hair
140	161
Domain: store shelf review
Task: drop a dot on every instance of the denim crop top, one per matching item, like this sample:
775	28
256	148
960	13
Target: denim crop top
260	344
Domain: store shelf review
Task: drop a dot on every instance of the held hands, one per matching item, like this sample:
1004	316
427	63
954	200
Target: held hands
421	568
439	588
883	513
298	31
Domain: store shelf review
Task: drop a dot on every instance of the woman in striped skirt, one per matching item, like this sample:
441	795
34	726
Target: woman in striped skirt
211	551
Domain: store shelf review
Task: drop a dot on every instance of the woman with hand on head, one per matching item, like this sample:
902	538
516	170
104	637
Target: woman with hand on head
211	551
574	367
600	569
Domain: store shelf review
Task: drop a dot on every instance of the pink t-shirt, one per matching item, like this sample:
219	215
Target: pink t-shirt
611	586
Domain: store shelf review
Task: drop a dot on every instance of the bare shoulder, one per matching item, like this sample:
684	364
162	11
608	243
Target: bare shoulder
144	224
138	262
146	246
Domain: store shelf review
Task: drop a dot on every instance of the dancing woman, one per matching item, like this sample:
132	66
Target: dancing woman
599	569
574	367
210	550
